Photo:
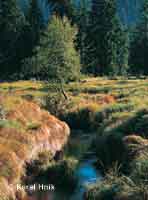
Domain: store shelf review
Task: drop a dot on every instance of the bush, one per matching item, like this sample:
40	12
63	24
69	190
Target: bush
109	150
39	165
2	113
116	186
56	103
90	117
83	118
64	173
139	168
137	124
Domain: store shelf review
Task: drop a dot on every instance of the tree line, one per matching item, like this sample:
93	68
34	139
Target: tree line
87	37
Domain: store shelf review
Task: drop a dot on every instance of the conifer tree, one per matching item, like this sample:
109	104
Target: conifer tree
82	19
36	21
123	52
12	24
105	33
139	44
63	8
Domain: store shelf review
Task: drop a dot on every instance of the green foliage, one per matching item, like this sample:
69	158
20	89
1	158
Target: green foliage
60	173
63	8
137	124
56	102
33	126
116	186
110	150
82	21
2	113
9	124
92	118
64	173
139	44
40	164
106	55
83	118
101	39
140	169
12	26
123	52
36	21
56	57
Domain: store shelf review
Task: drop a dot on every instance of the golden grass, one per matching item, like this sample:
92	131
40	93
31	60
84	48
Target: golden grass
22	85
115	101
96	94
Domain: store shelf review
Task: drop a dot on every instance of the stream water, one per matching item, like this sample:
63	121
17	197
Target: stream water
86	174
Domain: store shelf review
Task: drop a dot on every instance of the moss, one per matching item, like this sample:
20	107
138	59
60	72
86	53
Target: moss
10	124
33	125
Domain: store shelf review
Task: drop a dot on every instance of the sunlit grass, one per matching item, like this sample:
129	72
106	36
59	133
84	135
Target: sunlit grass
106	107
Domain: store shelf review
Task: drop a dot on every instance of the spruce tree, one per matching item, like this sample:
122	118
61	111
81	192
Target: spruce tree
63	8
36	21
56	57
82	19
139	44
12	24
104	35
123	51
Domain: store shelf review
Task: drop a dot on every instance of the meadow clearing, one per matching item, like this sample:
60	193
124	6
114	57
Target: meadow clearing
113	111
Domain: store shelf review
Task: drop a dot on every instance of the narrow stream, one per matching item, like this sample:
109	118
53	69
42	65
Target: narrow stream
86	174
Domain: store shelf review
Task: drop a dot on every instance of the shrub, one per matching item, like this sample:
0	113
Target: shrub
40	164
139	168
2	113
28	97
91	117
64	173
116	186
135	124
56	103
60	173
109	150
83	118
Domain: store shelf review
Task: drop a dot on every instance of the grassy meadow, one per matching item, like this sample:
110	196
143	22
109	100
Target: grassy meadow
115	112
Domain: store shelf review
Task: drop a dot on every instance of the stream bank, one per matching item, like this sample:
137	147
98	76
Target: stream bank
85	172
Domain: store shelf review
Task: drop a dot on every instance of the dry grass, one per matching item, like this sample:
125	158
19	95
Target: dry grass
105	106
23	129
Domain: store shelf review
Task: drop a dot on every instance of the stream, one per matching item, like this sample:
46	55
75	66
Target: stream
86	173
